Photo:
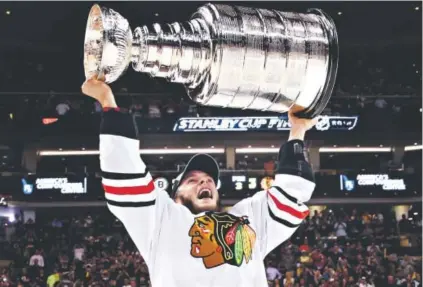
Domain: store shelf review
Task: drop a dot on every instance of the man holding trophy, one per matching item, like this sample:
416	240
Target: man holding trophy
225	56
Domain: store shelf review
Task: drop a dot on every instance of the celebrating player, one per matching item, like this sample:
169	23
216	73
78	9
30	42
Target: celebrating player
185	240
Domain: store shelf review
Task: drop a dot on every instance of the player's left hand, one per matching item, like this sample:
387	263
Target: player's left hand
301	123
299	126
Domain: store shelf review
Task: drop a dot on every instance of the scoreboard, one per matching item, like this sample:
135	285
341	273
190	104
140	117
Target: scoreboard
252	183
227	183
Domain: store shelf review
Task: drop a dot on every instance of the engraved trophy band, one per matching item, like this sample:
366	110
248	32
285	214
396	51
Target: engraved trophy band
225	55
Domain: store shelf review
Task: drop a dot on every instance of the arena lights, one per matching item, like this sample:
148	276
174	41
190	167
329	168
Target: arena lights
256	150
142	151
214	150
48	121
259	150
354	149
413	147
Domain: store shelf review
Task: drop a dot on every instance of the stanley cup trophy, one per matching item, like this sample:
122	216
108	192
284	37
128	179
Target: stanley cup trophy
225	56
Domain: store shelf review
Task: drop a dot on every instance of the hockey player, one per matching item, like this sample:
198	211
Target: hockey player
184	239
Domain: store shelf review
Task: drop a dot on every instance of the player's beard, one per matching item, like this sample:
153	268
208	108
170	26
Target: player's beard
189	204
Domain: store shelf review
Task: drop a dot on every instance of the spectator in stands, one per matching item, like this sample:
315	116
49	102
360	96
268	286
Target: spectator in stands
56	223
289	280
170	109
78	252
37	259
53	278
318	259
192	111
368	231
403	224
380	103
272	273
288	252
373	248
62	108
269	167
340	229
154	110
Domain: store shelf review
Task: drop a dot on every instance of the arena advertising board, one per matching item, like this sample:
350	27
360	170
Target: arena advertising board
239	124
383	182
53	186
4	200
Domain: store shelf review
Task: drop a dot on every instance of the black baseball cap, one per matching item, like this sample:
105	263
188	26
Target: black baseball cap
199	162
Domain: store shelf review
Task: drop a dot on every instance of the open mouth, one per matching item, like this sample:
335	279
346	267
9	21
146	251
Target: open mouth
205	193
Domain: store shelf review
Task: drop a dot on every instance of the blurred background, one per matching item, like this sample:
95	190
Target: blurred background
359	233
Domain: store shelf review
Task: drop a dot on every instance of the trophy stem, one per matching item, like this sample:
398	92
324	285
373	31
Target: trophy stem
180	52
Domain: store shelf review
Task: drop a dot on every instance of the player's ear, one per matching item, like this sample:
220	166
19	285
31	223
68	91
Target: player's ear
178	200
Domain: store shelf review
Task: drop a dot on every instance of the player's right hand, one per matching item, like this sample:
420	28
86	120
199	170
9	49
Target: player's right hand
100	91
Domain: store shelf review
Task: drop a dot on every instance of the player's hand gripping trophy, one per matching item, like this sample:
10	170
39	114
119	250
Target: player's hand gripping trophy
225	56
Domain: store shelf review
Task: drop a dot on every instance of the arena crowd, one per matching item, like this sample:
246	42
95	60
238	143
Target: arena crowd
332	248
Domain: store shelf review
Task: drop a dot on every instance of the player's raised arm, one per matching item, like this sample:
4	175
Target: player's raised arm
279	211
294	175
129	187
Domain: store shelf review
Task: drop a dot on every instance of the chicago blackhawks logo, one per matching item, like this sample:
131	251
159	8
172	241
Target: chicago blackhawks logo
220	238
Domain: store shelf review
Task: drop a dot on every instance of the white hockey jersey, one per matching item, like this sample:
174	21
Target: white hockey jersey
186	250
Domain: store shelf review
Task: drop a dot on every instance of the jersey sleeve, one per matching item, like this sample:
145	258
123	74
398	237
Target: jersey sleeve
129	188
276	213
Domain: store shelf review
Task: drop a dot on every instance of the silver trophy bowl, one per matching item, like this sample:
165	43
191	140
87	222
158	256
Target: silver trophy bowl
225	55
107	44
